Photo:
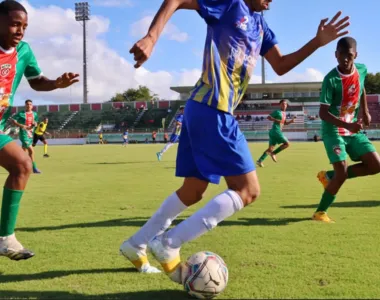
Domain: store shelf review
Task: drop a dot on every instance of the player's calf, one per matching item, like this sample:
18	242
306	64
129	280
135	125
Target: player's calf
192	190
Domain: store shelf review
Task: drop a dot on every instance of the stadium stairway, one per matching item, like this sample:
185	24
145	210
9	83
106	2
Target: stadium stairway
138	118
71	116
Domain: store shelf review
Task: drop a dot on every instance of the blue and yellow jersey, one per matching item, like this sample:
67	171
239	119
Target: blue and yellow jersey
178	127
236	36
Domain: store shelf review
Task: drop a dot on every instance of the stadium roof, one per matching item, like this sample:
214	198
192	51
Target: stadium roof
268	87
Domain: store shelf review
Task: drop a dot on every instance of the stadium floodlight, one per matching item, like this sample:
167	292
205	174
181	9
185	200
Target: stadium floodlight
82	14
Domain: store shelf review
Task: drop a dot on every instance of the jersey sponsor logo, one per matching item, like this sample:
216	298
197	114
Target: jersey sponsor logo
348	109
242	23
5	69
337	149
352	90
240	57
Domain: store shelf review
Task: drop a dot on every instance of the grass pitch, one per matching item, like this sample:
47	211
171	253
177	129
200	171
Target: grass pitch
90	198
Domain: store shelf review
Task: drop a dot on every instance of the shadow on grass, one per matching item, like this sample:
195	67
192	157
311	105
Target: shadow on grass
149	295
348	204
58	274
138	222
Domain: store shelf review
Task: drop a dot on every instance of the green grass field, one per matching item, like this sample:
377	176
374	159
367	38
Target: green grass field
90	198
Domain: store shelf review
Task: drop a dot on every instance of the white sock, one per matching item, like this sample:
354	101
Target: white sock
166	148
159	222
205	219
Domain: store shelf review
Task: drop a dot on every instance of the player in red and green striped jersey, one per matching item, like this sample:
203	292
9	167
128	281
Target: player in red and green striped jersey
27	121
17	60
342	95
278	117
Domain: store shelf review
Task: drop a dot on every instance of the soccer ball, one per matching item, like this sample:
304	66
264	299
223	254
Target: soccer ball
204	275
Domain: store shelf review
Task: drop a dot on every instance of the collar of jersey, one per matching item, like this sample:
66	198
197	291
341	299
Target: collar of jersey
9	51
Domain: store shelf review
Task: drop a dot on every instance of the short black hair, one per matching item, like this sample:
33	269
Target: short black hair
28	100
7	6
283	100
346	43
181	107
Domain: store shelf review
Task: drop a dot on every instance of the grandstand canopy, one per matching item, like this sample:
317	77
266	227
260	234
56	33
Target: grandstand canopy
273	90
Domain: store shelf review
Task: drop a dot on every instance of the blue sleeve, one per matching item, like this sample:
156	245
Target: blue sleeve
269	39
179	118
213	9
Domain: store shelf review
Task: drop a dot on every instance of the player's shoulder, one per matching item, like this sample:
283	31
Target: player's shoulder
332	76
23	46
361	67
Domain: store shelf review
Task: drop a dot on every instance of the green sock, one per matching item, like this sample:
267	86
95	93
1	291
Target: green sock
9	211
264	156
350	173
278	150
34	165
326	201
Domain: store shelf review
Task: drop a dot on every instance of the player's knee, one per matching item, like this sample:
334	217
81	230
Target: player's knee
374	168
23	167
250	194
287	145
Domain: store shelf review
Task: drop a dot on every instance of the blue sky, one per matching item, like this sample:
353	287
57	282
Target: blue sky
294	22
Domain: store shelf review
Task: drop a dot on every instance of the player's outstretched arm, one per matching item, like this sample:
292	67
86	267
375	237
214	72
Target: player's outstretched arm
291	121
327	32
44	84
364	105
143	48
270	118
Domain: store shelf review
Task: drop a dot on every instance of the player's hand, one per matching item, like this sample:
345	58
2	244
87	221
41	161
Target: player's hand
142	50
367	118
334	29
355	127
66	80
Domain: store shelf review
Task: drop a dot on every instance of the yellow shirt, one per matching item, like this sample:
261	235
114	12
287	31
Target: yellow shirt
41	128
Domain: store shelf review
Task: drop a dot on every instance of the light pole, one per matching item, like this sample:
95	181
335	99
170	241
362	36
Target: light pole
82	14
263	60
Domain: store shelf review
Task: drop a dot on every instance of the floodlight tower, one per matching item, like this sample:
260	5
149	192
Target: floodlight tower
82	14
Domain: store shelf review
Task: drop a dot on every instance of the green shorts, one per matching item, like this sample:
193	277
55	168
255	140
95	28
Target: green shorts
276	138
337	147
4	140
26	142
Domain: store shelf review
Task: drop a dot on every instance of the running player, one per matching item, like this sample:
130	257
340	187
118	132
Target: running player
16	60
342	95
211	143
278	117
175	135
125	138
39	135
27	121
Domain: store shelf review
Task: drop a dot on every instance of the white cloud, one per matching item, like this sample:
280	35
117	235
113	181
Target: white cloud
172	32
58	48
310	75
113	3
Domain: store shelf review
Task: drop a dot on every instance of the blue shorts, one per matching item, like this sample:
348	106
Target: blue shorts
211	145
174	138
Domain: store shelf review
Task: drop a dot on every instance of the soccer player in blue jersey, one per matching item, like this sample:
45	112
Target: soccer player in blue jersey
175	135
211	143
125	138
